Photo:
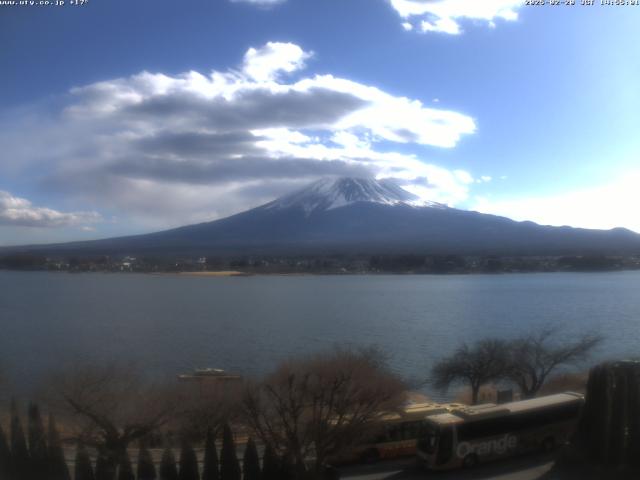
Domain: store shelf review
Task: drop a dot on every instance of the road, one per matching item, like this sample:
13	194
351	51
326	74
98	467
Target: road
526	467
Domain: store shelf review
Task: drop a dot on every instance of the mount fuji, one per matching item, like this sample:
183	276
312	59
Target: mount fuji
357	216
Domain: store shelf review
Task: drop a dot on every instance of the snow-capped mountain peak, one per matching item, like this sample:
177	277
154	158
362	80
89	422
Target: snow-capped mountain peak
331	193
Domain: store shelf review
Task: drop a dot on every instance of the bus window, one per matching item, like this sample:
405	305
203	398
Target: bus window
563	412
525	421
395	433
484	428
528	420
445	445
428	439
412	430
381	437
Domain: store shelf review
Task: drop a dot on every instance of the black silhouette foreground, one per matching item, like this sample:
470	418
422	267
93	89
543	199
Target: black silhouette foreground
607	441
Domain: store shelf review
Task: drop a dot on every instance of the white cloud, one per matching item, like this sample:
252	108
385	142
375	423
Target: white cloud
266	63
610	205
18	211
442	25
444	16
396	119
407	26
162	150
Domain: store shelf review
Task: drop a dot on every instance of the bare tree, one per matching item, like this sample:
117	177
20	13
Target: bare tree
111	406
323	403
476	365
535	356
207	405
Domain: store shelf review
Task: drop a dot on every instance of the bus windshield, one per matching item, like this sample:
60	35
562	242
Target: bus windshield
428	441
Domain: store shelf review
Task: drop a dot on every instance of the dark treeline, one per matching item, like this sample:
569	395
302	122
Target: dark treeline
327	264
24	262
38	454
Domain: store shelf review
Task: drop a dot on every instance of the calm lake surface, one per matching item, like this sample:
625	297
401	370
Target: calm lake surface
168	324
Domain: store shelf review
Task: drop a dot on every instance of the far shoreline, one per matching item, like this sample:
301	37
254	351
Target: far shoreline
237	273
220	273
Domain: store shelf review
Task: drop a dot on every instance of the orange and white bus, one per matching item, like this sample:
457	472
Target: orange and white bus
466	436
395	435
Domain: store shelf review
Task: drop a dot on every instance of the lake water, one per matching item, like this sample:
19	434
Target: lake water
168	324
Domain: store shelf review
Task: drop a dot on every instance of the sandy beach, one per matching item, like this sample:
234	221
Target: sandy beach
222	273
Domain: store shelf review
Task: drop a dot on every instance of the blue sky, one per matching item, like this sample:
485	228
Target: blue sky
122	117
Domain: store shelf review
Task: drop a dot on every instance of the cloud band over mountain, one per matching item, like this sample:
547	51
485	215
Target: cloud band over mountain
167	149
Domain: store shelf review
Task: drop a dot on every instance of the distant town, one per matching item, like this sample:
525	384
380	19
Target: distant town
329	264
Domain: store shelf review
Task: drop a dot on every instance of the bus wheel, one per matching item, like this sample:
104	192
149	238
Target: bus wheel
370	456
470	460
548	444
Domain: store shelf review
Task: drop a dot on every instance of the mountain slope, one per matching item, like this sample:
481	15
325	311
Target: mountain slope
359	216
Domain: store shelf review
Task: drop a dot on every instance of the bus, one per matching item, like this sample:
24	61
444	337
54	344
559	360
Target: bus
466	436
394	435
